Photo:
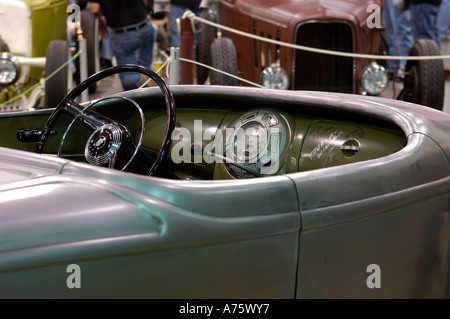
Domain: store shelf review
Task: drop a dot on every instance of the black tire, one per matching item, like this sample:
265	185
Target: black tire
205	37
3	46
89	25
224	58
56	87
424	79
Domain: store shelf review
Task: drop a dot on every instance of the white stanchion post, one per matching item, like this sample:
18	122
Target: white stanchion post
174	75
83	61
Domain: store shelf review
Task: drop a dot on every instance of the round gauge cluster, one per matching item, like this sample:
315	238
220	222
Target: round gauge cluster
249	141
255	142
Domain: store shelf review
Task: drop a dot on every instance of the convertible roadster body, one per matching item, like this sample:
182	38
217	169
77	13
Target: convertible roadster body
330	195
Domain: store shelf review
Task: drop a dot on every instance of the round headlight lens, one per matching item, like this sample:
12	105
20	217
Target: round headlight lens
275	77
9	69
374	79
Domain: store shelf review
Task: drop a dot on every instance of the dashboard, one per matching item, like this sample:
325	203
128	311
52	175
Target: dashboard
258	142
232	137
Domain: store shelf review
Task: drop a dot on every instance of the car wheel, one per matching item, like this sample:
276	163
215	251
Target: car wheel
224	58
89	25
424	79
56	87
205	37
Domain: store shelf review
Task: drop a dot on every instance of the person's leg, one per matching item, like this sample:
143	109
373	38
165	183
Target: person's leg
404	36
424	21
106	52
155	31
197	11
391	32
398	34
172	28
106	48
443	19
145	51
125	46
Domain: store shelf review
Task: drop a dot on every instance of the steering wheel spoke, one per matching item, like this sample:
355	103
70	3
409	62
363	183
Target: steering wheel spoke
85	115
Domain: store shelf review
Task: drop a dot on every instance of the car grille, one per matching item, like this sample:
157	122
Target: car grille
323	72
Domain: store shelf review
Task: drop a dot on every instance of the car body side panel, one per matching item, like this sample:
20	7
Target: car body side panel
409	245
102	224
256	268
399	213
420	162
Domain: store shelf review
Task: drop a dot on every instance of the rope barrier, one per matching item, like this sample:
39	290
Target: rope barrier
223	72
191	16
166	63
169	60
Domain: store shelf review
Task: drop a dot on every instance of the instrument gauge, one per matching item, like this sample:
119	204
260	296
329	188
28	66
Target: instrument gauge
256	141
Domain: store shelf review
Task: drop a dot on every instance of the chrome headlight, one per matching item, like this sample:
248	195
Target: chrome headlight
374	79
9	69
275	77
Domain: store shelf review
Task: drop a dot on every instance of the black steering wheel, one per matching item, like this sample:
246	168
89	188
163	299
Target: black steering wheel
110	143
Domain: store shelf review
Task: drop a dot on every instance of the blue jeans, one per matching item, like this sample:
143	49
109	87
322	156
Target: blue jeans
134	47
172	28
424	21
443	19
398	33
106	51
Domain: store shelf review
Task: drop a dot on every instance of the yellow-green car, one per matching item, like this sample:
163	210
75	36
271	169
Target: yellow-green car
33	44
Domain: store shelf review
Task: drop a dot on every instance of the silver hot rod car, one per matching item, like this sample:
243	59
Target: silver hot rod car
224	192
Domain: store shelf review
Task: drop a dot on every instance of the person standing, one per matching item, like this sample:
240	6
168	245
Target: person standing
132	35
177	8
